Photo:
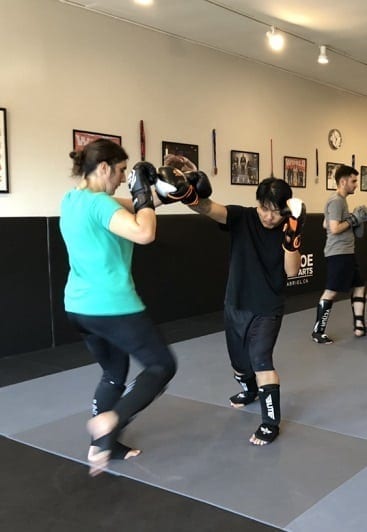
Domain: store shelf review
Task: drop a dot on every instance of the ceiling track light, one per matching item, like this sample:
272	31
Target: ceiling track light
276	40
323	58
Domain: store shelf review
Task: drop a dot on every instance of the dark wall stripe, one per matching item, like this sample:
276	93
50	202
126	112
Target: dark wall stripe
182	274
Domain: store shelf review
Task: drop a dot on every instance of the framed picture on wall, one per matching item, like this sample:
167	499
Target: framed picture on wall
244	167
4	169
191	151
81	138
295	170
363	178
330	173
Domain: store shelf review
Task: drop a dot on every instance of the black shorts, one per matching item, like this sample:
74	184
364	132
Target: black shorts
343	273
250	340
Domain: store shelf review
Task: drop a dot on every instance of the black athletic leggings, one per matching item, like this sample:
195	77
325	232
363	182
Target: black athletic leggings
111	340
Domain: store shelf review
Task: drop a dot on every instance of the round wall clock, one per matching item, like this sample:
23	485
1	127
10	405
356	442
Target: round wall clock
335	139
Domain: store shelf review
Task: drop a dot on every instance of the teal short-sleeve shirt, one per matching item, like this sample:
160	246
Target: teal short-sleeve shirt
100	281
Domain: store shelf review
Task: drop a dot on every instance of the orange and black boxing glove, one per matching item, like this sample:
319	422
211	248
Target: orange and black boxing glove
295	213
172	185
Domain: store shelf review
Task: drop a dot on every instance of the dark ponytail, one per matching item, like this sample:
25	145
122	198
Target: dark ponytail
86	160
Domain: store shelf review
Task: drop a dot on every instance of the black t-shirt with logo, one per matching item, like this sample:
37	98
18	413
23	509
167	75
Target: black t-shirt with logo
256	279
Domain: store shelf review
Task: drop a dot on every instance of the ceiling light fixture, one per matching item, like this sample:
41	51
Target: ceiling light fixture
144	2
323	58
276	40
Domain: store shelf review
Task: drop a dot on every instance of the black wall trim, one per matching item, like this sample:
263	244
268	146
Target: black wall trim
182	274
25	317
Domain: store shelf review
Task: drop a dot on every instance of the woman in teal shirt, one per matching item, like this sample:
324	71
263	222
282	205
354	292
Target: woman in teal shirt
100	297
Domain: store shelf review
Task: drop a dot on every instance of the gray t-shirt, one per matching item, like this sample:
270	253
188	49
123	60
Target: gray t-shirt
336	208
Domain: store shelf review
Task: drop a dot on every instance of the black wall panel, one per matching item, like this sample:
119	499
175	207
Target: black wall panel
182	274
25	318
63	332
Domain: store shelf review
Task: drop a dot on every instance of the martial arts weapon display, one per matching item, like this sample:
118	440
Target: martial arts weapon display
317	165
142	141
271	158
214	142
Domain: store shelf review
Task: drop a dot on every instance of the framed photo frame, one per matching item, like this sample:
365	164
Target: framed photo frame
363	178
295	171
330	173
244	167
4	168
82	138
191	151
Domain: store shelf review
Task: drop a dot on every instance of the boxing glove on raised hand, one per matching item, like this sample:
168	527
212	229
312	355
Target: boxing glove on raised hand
148	169
296	212
358	216
180	162
138	182
172	186
200	181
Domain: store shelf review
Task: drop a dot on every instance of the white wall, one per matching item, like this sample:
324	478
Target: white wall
63	68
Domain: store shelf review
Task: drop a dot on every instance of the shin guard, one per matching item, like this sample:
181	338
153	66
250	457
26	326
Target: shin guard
250	391
322	315
269	396
358	310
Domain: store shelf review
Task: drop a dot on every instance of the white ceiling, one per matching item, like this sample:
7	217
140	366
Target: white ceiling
239	26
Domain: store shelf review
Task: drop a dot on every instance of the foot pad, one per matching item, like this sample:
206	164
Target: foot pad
267	433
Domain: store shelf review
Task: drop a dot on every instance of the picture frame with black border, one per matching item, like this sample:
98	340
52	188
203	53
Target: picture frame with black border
4	165
81	138
363	178
190	151
295	171
330	173
245	167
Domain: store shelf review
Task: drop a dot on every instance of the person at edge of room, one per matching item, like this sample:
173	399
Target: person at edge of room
100	297
265	242
343	272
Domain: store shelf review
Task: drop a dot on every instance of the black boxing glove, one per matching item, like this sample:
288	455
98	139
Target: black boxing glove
148	169
172	186
296	212
139	181
200	181
357	217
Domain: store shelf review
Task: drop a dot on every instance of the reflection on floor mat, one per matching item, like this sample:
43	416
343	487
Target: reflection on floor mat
195	444
202	451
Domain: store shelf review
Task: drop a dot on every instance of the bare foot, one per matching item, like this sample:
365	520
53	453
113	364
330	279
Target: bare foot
132	453
99	426
237	405
361	331
98	460
264	435
257	441
121	451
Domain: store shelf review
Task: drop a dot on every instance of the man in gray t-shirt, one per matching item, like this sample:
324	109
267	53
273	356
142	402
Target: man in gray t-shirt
343	273
342	243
